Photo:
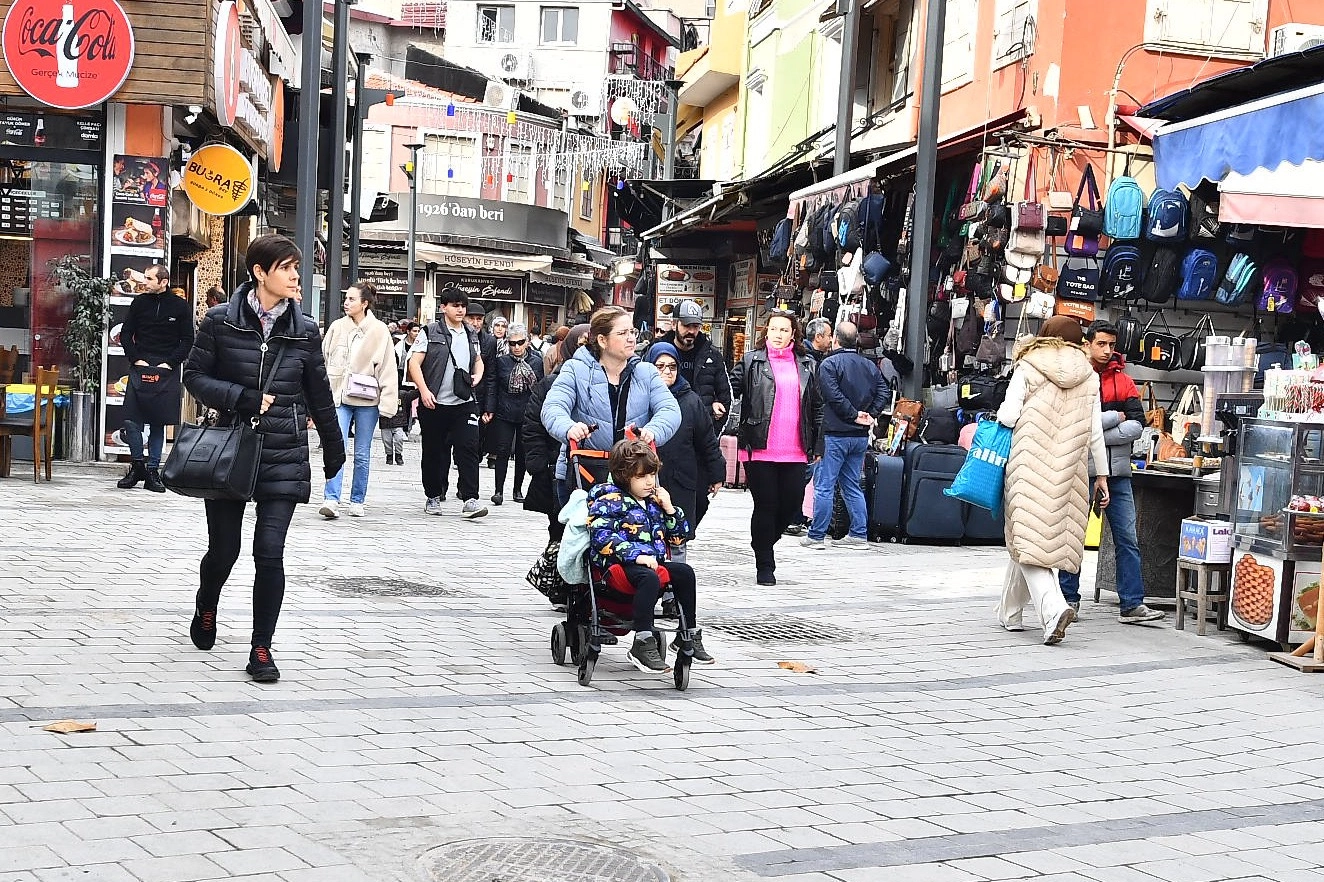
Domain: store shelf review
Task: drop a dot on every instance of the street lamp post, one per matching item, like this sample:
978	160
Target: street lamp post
410	169
356	168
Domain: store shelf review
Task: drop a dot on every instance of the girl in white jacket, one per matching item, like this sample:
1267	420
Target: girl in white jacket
360	363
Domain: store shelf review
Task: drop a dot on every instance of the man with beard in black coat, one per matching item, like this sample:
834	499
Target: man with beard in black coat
701	364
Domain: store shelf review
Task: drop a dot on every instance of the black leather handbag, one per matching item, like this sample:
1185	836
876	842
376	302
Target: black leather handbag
218	462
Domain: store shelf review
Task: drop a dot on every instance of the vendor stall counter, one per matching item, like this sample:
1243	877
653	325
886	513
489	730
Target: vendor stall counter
1162	500
1277	538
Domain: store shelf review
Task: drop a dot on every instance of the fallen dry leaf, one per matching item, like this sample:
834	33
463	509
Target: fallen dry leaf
66	726
798	667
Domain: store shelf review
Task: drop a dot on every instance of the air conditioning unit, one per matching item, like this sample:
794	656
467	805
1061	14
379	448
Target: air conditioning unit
517	66
585	100
500	95
1295	38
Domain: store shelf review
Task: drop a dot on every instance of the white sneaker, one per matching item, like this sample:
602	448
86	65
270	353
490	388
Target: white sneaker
472	509
329	509
356	509
432	506
851	541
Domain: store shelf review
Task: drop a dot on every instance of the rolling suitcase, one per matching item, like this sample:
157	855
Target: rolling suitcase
928	512
735	461
884	478
983	527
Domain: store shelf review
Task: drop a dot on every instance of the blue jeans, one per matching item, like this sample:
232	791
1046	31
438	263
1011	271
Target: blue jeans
365	424
842	465
1121	517
133	434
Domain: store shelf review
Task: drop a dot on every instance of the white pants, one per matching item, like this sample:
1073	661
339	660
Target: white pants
1024	582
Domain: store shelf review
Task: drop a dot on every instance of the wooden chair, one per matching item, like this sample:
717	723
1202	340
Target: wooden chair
41	426
8	364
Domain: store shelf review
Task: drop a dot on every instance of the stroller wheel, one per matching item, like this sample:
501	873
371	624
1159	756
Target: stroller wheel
580	645
558	643
681	672
586	668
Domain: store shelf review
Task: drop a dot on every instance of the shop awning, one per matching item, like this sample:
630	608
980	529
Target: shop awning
856	175
1260	134
1286	196
473	259
563	279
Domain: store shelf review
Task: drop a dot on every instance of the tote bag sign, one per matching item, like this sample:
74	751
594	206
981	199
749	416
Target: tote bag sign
68	55
218	179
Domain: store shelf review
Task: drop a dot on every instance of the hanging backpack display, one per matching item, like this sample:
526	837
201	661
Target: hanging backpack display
1204	214
1124	209
1122	272
1161	276
1279	287
1160	349
846	225
1086	218
869	213
1199	275
1237	280
1167	216
1078	279
875	267
781	241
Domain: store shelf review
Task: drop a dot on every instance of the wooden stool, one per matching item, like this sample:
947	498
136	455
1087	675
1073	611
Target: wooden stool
1201	592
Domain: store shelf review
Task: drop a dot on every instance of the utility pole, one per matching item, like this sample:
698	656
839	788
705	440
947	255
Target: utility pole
926	167
356	168
669	149
411	172
335	209
846	86
310	89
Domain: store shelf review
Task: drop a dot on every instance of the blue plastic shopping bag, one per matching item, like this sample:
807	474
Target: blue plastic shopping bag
979	482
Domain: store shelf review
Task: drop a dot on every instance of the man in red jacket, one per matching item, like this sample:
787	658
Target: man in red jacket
1123	419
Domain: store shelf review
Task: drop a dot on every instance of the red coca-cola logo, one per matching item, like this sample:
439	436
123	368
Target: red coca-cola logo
68	54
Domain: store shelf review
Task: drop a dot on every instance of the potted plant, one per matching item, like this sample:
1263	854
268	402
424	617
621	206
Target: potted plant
83	340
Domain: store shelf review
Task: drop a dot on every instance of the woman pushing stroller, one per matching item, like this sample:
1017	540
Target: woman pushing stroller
632	525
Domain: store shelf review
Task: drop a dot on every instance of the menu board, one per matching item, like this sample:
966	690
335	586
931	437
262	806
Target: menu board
680	281
49	130
20	206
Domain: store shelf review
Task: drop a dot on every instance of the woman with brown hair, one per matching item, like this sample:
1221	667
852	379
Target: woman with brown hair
779	416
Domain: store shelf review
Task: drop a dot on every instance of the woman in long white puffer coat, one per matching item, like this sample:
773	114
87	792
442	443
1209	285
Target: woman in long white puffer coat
1052	407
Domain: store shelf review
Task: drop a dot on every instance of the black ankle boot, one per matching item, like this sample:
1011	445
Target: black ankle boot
137	472
153	481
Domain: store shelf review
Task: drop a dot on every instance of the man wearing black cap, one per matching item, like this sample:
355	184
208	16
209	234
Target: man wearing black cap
700	363
446	365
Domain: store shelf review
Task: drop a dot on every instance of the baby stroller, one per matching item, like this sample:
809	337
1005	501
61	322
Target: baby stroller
602	610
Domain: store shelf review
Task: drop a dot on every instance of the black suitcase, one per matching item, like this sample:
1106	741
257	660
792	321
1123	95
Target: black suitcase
983	527
928	512
884	478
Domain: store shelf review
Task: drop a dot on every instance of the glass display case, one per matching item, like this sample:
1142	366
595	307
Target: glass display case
1278	527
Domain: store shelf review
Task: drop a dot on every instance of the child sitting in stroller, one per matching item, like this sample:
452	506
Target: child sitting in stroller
632	522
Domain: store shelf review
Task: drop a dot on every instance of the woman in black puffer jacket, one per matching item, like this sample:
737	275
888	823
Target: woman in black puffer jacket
238	343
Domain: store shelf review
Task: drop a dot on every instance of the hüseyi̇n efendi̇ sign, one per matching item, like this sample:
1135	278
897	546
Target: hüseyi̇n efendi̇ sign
69	55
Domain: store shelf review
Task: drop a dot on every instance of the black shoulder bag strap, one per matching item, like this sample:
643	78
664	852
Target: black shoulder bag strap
622	399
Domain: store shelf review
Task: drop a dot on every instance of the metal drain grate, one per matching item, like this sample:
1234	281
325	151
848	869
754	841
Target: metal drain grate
536	860
779	629
381	587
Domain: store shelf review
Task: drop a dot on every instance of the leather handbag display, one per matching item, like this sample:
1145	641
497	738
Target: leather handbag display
1086	218
218	462
1046	275
973	208
911	412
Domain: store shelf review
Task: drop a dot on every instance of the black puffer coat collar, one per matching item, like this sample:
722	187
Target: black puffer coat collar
293	324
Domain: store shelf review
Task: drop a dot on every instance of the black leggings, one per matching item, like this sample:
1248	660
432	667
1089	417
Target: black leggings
225	522
778	492
504	436
647	589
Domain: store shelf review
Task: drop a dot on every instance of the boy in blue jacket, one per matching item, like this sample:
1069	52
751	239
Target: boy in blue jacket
632	522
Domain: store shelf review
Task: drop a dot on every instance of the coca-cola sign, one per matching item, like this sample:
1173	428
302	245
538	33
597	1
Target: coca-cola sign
69	55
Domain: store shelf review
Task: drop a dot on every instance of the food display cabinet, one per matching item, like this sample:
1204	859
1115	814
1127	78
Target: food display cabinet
1278	530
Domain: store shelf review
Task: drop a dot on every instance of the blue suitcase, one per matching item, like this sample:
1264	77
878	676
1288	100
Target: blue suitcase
930	514
884	478
983	527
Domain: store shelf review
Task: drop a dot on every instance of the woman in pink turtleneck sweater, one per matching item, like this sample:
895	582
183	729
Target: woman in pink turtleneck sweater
779	417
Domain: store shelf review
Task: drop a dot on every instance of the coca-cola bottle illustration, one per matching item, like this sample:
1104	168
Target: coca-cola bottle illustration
39	136
66	73
156	225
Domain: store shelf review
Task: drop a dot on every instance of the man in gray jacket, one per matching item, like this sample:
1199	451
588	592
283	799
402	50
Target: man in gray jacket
1123	419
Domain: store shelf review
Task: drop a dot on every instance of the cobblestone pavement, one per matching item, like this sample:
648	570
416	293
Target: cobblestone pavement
928	745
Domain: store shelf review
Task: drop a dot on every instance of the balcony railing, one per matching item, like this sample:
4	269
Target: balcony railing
627	59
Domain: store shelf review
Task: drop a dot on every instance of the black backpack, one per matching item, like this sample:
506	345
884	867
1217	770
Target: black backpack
781	241
846	225
1204	215
817	221
1162	276
1122	272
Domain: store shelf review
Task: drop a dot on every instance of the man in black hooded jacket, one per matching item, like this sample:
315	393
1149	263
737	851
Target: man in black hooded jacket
701	364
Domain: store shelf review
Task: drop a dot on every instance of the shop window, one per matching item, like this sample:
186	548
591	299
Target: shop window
958	52
587	191
560	24
517	185
542	320
1013	31
1217	27
449	165
496	24
561	190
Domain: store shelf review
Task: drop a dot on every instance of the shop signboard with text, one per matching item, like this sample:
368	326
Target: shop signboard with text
70	54
485	288
489	219
677	282
218	179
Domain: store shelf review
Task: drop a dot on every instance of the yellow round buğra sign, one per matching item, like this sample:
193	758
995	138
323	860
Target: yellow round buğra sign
218	179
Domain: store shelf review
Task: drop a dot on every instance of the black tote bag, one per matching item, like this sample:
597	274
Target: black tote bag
218	462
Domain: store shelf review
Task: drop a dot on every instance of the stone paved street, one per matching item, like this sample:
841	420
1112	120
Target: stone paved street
929	745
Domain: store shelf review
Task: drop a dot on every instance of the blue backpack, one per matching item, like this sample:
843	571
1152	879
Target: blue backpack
1124	211
1122	272
781	241
1199	275
1167	216
1241	273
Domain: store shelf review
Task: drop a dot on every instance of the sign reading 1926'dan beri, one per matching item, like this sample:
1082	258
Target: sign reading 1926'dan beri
68	55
